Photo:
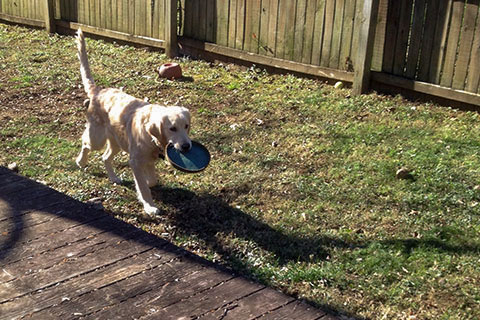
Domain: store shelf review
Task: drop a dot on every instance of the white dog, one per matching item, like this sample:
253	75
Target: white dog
123	122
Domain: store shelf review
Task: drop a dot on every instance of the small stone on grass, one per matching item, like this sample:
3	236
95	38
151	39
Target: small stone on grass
403	173
13	166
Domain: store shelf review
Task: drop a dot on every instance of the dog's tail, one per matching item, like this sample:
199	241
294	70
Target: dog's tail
87	79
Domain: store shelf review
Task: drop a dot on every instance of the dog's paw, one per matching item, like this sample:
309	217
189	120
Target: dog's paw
115	180
81	162
152	183
151	210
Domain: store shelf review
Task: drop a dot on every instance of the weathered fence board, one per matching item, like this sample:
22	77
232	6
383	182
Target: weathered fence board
337	34
428	40
318	32
299	33
465	45
416	33
473	78
345	61
328	32
452	45
380	36
307	44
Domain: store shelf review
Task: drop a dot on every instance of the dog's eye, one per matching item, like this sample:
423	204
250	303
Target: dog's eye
186	126
173	129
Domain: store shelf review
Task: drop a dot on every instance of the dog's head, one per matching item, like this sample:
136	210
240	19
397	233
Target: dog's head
171	125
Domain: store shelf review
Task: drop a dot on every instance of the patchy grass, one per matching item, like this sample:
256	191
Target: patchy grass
301	192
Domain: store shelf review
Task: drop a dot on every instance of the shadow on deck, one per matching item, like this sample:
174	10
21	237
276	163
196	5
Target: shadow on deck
63	259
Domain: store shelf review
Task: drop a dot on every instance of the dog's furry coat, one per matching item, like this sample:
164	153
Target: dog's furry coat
123	122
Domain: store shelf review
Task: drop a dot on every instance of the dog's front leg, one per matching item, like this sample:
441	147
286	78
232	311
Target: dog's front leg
143	191
150	175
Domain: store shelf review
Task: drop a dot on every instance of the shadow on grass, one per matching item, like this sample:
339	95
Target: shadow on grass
205	216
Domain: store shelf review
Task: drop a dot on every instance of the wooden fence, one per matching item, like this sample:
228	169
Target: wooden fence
426	46
28	11
315	32
140	17
434	41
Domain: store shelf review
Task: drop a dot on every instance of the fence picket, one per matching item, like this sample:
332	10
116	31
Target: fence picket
289	32
428	39
202	20
221	15
248	25
210	32
281	35
439	43
379	45
108	14
328	32
402	37
300	30
115	15
156	17
347	35
393	17
240	28
416	39
120	16
308	31
452	45
465	46
263	36
318	32
232	24
337	34
473	78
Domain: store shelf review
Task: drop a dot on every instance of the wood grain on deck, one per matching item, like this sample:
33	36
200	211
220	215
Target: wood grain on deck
63	259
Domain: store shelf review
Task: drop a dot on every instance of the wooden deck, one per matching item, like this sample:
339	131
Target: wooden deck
63	259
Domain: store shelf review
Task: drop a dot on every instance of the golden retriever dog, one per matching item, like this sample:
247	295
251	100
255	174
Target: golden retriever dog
123	122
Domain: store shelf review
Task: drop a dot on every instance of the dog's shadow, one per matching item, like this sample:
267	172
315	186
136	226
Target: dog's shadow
207	216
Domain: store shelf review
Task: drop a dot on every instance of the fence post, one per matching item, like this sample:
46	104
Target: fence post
171	25
49	15
368	22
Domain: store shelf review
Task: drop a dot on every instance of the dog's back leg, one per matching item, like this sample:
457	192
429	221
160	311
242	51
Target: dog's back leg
110	152
93	138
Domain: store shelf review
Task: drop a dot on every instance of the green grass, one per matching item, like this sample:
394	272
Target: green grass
301	192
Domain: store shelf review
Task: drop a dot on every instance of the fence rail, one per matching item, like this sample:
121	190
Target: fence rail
426	46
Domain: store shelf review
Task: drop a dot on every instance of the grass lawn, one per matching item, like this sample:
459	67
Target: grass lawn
301	193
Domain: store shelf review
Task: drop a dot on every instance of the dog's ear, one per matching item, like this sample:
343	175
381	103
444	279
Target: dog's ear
154	130
187	116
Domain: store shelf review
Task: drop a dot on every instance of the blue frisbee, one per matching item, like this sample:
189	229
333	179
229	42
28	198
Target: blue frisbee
194	160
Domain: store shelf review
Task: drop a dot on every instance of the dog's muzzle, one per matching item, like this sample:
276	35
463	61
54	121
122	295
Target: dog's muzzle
186	146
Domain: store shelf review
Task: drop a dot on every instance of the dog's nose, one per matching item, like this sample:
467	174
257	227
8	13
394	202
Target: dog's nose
185	146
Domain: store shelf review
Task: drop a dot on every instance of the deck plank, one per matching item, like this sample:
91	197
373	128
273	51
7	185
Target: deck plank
251	307
295	310
181	288
211	299
63	259
52	241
